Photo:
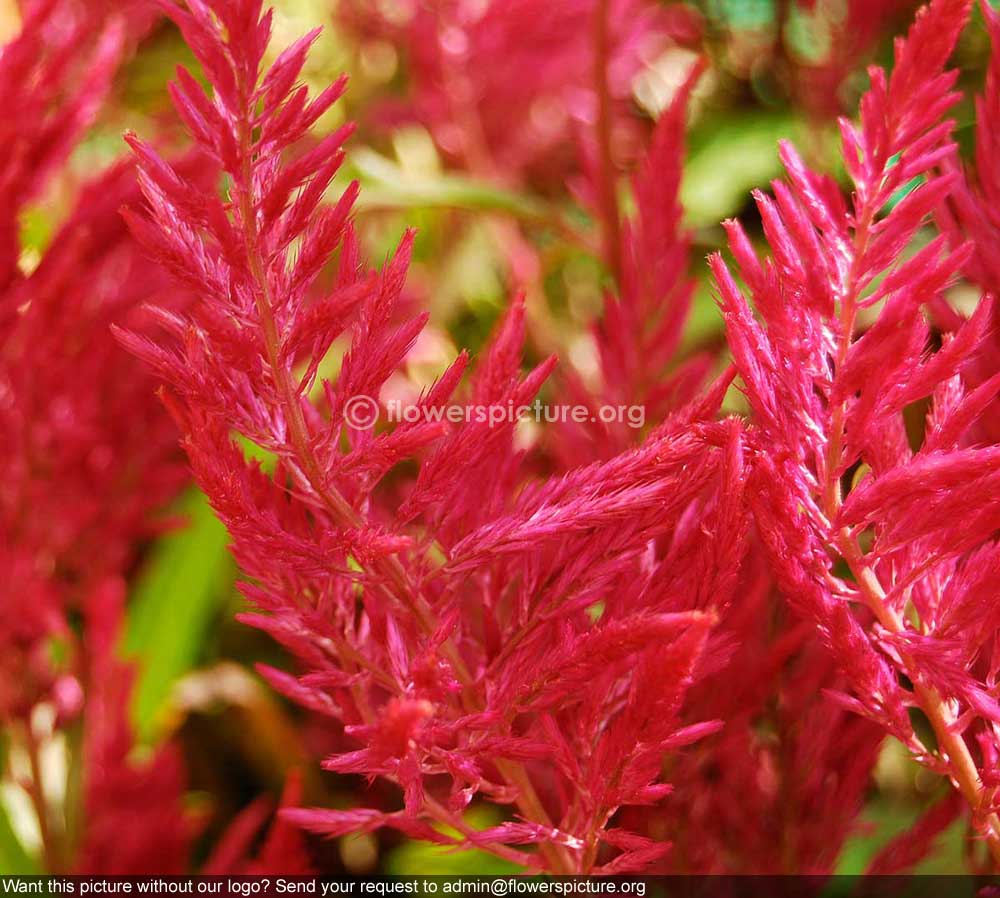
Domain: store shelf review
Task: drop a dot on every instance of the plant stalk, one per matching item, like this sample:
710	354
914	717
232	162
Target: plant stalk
607	176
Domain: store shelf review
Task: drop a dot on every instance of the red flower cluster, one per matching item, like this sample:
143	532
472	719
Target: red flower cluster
91	455
885	541
483	631
450	628
606	632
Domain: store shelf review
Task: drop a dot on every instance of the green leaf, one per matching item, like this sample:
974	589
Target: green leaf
13	857
727	157
389	185
187	579
886	820
418	858
743	14
705	320
35	229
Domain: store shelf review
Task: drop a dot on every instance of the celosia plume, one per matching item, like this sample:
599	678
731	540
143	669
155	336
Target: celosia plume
885	547
420	624
91	457
675	647
118	790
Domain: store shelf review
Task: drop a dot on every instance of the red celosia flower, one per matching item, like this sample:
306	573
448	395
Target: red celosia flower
975	204
282	852
970	214
638	337
135	824
800	794
908	617
571	67
53	77
800	763
88	451
452	632
90	456
588	649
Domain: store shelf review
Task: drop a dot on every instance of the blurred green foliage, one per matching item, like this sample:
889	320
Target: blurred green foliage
186	579
728	156
415	858
13	857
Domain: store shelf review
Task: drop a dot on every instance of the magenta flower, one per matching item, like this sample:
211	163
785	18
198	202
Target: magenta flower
90	455
886	547
135	821
449	632
675	644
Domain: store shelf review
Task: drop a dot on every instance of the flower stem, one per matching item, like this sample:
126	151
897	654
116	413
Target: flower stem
606	186
36	792
951	745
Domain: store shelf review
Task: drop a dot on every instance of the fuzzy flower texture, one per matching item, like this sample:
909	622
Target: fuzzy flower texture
677	649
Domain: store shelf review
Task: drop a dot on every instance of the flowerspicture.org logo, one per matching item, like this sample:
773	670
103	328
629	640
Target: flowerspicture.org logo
362	412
